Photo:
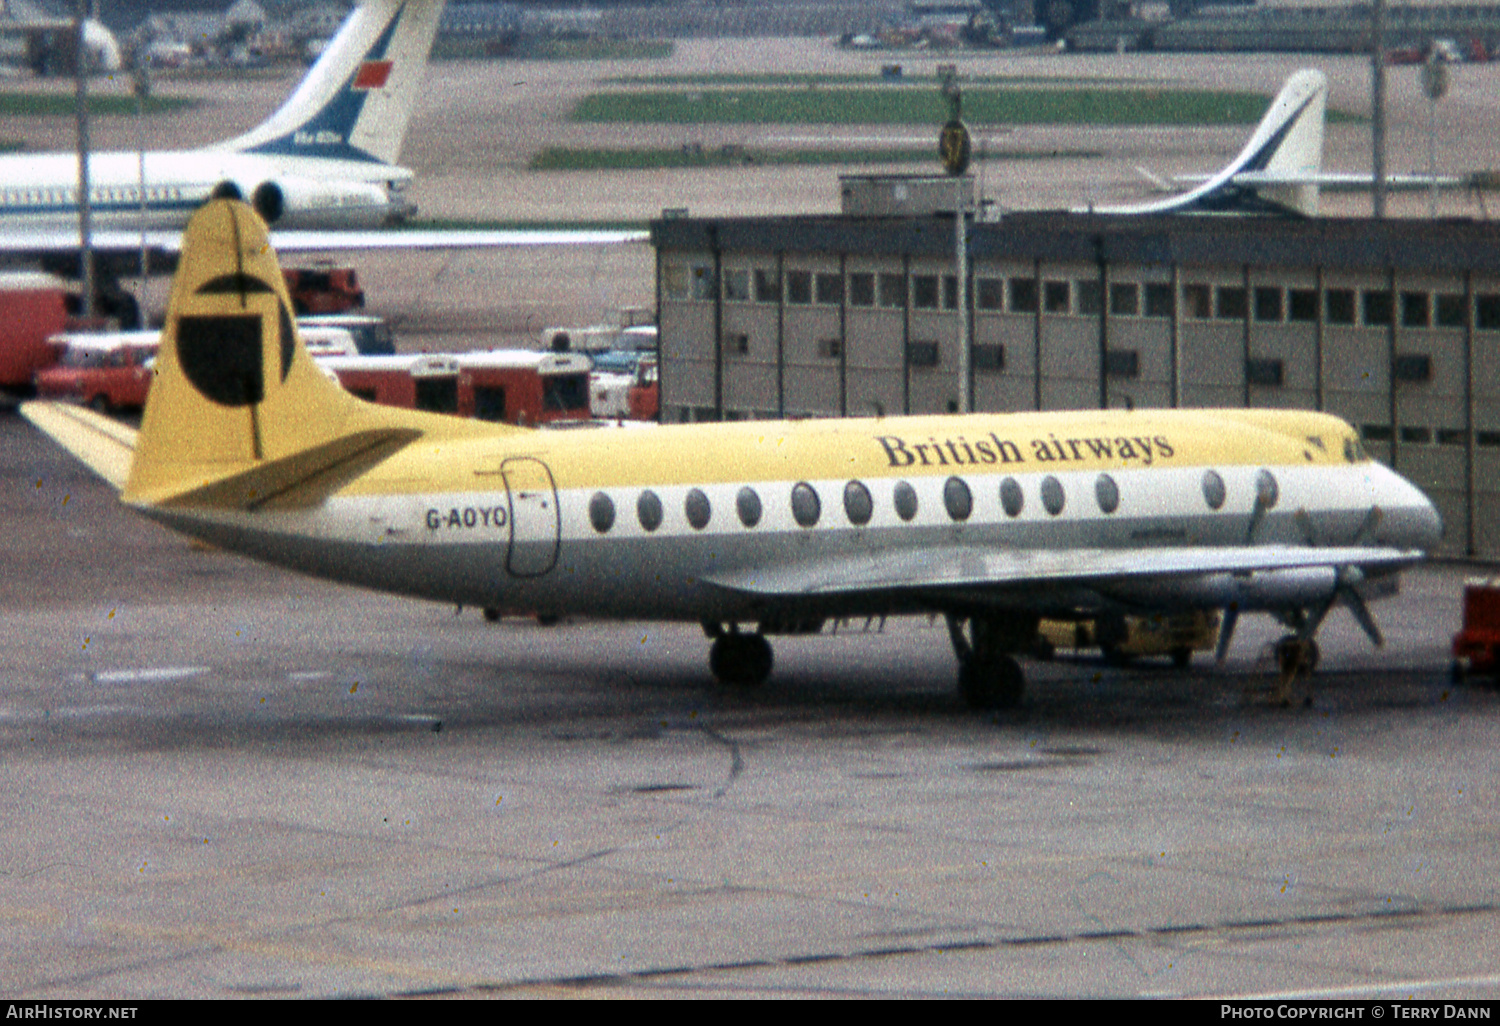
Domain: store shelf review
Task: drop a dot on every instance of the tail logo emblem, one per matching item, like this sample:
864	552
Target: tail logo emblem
373	74
221	354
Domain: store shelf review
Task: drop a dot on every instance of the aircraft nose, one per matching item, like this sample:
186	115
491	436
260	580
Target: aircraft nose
1416	523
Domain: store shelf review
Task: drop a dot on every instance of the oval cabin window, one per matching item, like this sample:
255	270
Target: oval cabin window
1053	498
805	505
905	500
601	512
1012	499
957	499
747	505
858	506
1107	493
648	510
1214	492
697	509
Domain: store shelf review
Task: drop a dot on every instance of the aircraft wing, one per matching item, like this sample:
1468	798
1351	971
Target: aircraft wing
44	244
970	570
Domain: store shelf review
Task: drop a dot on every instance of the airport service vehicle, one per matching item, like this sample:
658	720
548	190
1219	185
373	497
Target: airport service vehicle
33	307
1476	648
993	521
105	371
323	290
372	336
416	381
518	386
1123	638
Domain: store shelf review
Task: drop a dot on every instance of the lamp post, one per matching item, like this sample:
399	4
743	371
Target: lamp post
85	225
955	148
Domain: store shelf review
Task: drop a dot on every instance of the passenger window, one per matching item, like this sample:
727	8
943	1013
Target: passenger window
1053	498
697	509
601	512
1107	493
858	506
1266	490
806	509
905	500
957	498
1012	499
648	510
1213	489
747	505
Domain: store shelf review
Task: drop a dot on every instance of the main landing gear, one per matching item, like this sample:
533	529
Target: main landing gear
988	675
743	660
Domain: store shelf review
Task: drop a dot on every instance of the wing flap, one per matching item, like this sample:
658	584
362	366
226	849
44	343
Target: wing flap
968	569
104	445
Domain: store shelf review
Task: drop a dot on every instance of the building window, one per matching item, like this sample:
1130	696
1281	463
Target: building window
1090	298
1268	304
922	354
1338	306
989	358
1231	303
830	348
674	281
767	286
737	344
1417	435
1415	310
799	287
989	293
736	286
703	281
1450	310
1302	304
1413	368
1265	372
1159	300
1487	312
1197	302
1023	297
862	289
924	291
893	291
1057	295
1125	299
1377	308
1122	363
830	289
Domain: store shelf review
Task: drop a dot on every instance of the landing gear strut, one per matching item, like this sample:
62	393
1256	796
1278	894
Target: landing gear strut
743	660
988	675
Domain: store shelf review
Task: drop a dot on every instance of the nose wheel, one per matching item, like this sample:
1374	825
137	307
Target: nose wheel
743	660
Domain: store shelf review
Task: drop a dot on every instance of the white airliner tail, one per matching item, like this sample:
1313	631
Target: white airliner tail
356	101
1278	169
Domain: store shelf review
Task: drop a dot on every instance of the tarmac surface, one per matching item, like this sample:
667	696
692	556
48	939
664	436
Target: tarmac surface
224	780
220	780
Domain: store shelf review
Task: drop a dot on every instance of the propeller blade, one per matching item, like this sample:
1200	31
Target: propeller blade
1361	612
1226	633
1370	526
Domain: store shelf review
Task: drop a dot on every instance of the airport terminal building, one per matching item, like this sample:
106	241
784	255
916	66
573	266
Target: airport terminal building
1394	325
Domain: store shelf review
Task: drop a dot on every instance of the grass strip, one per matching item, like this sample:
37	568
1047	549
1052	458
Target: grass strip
561	158
64	104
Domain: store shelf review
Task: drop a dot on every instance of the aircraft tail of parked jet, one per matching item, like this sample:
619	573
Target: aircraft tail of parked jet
1278	170
356	101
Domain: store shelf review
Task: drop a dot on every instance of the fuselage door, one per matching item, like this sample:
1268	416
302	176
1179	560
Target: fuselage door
535	524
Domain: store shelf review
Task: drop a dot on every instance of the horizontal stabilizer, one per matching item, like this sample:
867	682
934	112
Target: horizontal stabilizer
104	445
970	569
301	480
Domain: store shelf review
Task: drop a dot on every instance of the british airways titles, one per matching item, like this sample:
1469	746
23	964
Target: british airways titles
993	449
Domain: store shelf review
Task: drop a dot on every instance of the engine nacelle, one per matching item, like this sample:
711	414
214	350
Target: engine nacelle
287	202
1268	590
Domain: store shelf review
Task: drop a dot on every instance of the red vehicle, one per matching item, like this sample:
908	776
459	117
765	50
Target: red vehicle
1476	648
519	386
33	307
323	290
107	372
513	386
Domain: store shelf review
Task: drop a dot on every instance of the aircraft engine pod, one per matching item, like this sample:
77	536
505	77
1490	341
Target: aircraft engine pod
1261	589
269	202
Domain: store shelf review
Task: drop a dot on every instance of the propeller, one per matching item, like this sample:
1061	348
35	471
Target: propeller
1226	632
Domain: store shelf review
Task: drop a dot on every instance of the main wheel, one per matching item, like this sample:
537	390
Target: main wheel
743	660
993	683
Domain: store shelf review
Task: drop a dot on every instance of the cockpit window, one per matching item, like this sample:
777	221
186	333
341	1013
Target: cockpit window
1354	452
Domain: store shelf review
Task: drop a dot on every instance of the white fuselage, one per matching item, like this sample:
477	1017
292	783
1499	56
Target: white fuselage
40	193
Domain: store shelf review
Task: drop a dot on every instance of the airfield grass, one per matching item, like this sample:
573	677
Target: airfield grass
884	106
858	78
561	158
64	104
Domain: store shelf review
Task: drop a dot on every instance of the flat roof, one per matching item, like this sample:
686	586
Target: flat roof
1063	237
